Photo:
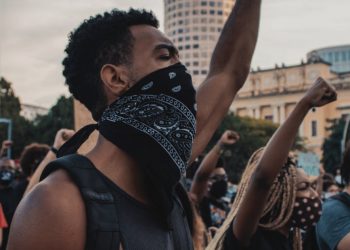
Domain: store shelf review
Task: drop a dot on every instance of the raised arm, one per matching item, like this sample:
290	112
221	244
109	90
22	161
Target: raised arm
228	70
201	178
61	137
273	158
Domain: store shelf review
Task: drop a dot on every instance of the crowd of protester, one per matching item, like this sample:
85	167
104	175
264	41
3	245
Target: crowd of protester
217	200
131	190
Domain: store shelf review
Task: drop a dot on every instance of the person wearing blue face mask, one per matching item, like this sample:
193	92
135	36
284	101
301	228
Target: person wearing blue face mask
333	228
124	193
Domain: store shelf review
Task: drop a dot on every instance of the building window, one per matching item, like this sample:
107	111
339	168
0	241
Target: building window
212	4
180	47
195	38
194	12
203	3
203	12
188	64
313	128
220	12
187	38
195	72
195	63
204	72
180	31
187	46
330	56
336	56
269	117
195	46
212	12
343	56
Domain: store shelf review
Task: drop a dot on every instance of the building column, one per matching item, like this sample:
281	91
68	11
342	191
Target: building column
282	113
251	112
257	113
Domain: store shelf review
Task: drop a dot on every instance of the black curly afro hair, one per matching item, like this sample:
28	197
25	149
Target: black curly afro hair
99	40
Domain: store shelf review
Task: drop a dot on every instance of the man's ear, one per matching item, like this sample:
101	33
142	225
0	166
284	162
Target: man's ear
115	79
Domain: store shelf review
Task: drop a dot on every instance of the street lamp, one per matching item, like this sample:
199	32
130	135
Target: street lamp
9	133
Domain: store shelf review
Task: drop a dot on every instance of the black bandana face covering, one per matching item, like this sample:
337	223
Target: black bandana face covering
154	122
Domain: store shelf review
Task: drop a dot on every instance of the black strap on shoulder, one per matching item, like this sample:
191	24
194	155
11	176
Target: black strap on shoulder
343	197
100	204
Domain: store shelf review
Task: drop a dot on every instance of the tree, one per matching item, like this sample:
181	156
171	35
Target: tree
9	103
253	135
61	115
331	147
10	108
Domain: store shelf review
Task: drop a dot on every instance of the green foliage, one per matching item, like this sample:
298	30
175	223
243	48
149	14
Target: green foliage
10	107
9	103
331	147
253	135
43	129
59	116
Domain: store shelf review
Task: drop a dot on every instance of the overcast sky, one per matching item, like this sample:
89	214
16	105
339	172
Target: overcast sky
34	34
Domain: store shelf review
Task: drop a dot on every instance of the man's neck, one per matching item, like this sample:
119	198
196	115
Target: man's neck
120	168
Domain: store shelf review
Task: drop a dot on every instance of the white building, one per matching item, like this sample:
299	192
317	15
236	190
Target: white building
30	112
194	27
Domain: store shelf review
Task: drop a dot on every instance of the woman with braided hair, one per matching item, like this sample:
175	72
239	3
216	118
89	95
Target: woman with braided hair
275	198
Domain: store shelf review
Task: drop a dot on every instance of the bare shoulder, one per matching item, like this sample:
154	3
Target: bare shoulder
51	216
344	243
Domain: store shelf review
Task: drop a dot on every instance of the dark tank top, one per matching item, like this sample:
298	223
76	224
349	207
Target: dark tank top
116	219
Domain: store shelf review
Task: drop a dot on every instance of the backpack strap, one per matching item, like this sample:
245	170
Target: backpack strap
343	197
100	204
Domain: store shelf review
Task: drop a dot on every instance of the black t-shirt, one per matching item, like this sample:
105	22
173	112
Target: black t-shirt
213	212
9	199
262	240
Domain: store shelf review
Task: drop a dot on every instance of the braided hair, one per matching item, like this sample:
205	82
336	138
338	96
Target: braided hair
278	208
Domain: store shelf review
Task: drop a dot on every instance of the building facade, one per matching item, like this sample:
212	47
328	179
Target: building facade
272	94
338	56
30	112
194	27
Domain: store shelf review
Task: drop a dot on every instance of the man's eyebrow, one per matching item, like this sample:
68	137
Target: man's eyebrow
170	47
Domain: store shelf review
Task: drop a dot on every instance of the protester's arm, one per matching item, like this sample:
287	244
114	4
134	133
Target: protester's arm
229	67
201	178
61	137
319	181
344	243
273	158
5	145
52	216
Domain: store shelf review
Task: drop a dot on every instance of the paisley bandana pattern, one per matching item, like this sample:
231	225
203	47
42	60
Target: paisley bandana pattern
162	117
154	122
